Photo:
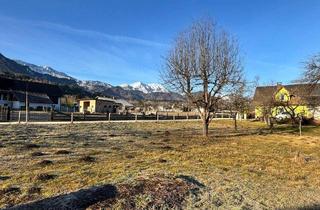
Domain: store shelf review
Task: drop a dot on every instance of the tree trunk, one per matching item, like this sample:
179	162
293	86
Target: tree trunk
205	128
300	126
235	122
265	119
271	125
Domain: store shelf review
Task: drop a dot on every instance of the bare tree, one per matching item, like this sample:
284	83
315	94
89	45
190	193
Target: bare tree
311	74
204	65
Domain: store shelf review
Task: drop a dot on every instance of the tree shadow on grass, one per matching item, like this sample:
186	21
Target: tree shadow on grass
227	133
76	200
159	190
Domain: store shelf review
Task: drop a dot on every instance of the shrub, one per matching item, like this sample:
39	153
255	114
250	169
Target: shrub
45	163
45	177
88	158
62	152
35	154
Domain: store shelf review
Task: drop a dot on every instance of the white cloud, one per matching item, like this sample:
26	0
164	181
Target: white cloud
83	32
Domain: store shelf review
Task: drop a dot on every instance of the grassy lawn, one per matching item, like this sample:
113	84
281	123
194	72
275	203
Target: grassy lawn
247	169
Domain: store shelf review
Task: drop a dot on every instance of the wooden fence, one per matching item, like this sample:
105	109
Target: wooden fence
61	116
35	116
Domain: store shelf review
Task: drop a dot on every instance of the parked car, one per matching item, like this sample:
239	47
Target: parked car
282	117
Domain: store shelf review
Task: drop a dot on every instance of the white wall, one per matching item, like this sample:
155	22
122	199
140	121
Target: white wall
3	102
18	105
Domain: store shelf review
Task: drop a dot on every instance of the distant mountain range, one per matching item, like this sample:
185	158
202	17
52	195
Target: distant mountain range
145	88
136	91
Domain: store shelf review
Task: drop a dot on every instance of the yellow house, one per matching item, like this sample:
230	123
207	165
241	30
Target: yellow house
298	99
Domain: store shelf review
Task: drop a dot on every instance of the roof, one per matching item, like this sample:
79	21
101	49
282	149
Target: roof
14	85
264	94
32	97
106	99
124	103
117	101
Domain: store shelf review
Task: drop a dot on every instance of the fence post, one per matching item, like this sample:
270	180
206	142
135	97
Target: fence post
187	116
72	118
157	117
136	118
8	114
27	116
174	117
109	116
27	107
19	117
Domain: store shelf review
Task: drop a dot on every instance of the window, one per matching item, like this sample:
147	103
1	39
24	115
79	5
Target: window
282	97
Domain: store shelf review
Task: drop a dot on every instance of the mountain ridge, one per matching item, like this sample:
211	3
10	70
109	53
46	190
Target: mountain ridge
45	70
135	91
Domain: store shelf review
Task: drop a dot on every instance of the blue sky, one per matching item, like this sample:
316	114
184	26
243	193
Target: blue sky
120	41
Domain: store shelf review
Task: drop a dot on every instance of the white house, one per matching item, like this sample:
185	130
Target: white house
37	101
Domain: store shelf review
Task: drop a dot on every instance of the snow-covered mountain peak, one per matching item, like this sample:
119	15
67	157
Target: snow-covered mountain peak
125	86
145	88
158	88
138	84
141	87
45	70
91	85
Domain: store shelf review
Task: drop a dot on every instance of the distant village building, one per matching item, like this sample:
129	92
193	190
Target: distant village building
16	100
69	103
41	97
104	105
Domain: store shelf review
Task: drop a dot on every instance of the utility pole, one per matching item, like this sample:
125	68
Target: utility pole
27	104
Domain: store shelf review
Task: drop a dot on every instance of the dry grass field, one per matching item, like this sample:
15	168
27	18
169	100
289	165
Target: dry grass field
163	165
